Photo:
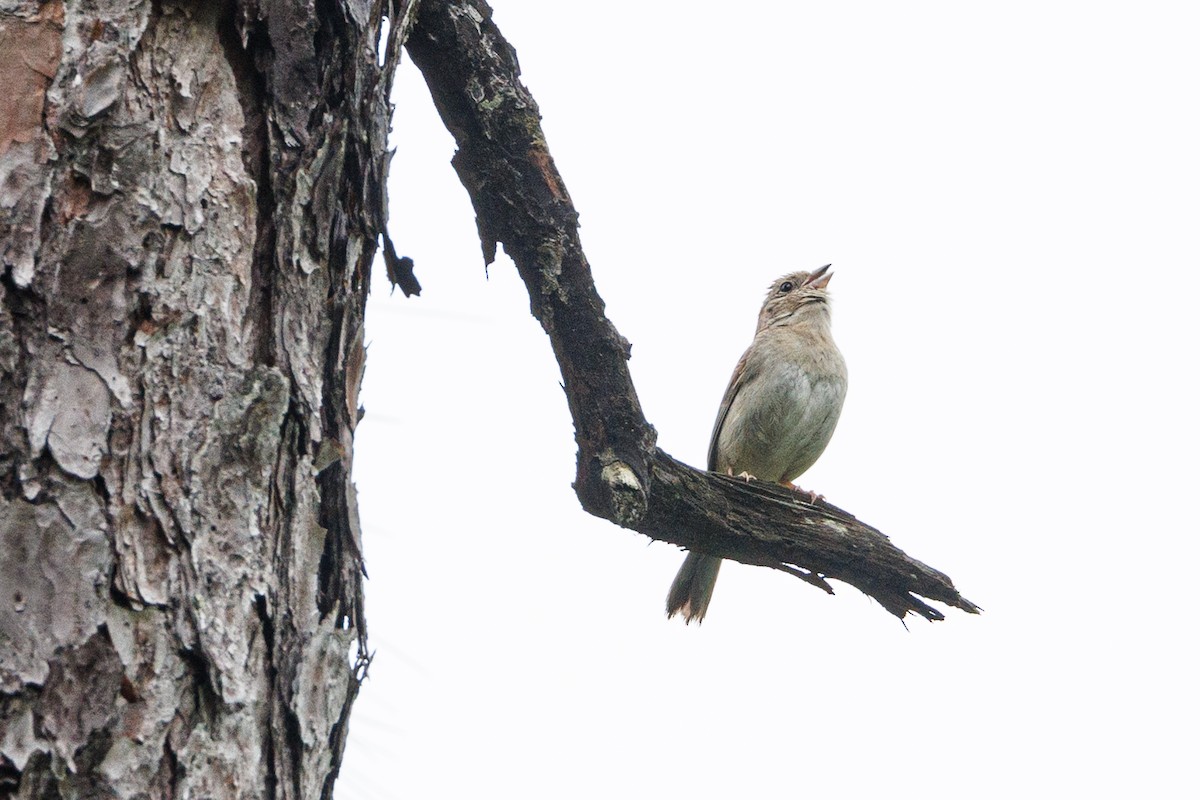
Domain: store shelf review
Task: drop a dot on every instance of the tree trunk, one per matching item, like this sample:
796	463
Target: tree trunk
190	200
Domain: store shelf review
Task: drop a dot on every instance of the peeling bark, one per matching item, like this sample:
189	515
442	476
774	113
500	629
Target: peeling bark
522	202
191	197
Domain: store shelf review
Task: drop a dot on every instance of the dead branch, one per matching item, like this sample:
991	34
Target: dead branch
521	202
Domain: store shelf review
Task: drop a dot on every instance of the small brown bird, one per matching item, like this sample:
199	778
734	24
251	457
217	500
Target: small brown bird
778	413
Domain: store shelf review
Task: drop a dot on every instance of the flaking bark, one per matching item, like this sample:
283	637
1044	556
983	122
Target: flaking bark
192	195
521	202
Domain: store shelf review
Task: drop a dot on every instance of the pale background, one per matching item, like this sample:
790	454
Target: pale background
1010	196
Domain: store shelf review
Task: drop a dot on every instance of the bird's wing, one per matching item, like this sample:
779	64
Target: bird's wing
741	374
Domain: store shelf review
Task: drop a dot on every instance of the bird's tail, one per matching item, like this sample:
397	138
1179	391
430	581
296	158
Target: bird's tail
693	587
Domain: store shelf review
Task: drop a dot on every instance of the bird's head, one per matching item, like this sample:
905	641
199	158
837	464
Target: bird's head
796	296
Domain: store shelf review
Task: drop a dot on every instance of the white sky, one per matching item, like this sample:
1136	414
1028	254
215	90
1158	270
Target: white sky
1009	196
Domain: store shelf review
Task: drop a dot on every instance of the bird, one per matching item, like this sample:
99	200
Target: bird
779	410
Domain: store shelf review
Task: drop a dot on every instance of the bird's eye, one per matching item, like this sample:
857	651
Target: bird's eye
786	287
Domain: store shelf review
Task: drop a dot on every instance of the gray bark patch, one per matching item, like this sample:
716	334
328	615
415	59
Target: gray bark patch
70	413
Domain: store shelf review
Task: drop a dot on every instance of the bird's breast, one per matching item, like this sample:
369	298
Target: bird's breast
780	421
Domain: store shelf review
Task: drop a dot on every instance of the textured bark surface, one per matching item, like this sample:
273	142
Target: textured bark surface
521	201
190	198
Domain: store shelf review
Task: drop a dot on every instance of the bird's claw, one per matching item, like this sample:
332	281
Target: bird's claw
813	497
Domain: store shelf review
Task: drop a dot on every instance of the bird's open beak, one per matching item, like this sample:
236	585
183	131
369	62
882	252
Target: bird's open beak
820	278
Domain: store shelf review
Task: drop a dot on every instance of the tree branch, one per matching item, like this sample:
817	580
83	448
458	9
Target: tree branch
521	201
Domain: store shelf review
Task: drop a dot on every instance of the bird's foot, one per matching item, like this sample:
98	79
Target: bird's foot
746	476
813	497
